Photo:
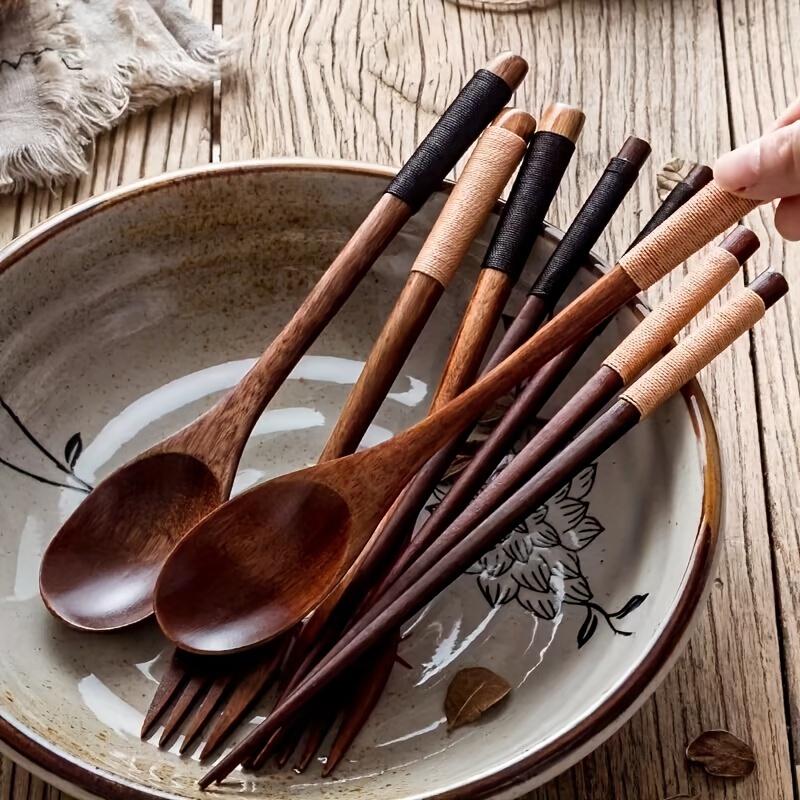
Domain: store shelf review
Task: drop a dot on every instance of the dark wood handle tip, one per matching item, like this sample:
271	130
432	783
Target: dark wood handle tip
770	287
699	176
741	242
565	120
510	67
635	150
517	121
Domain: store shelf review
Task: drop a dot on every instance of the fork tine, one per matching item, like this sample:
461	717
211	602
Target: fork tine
248	689
196	684
367	686
204	711
174	678
288	744
317	732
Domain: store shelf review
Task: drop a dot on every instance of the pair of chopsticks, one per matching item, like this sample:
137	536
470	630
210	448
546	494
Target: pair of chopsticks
446	559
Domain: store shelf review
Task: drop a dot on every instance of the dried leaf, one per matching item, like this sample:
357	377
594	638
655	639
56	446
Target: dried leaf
473	691
671	174
722	754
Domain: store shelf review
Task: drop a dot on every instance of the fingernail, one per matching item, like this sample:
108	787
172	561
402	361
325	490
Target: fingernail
739	168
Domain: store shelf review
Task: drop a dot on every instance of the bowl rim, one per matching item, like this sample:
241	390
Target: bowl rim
609	713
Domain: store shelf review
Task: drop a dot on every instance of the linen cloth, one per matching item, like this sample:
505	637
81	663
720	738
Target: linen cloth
70	69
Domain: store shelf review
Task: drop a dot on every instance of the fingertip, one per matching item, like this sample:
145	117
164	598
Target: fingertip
737	170
787	218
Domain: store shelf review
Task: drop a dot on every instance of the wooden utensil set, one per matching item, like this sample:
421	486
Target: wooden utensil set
161	534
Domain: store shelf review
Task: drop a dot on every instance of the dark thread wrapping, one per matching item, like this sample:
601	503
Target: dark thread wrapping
582	235
522	219
476	105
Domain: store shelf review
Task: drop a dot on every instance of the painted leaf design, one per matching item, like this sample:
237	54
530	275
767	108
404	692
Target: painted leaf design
497	591
519	545
544	535
585	532
722	754
545	607
559	495
539	515
73	449
631	605
567	513
588	628
471	693
492	564
562	562
577	590
582	483
535	575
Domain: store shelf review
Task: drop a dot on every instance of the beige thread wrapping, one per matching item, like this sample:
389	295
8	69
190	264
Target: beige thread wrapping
485	175
655	331
706	215
682	363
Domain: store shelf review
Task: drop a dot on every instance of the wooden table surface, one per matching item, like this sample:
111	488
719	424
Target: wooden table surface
365	79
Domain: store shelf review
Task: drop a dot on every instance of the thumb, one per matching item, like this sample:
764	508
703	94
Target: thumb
764	169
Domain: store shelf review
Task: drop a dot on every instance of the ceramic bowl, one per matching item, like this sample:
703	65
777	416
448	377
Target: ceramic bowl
125	317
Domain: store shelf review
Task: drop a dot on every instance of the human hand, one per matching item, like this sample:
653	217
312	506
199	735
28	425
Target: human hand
769	169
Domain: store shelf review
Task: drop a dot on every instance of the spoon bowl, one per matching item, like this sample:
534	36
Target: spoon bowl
281	552
109	583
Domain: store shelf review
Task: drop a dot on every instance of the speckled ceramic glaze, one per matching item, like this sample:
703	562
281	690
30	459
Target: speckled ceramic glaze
123	319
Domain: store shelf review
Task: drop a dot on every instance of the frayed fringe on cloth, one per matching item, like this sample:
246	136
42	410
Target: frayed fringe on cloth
71	69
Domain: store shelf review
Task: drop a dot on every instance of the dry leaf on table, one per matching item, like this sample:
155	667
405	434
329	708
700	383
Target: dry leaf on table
471	692
672	173
722	754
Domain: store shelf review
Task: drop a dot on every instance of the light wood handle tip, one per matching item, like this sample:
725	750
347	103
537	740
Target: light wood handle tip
517	121
564	120
510	67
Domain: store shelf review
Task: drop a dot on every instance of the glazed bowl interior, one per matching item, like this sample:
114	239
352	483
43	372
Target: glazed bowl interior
125	319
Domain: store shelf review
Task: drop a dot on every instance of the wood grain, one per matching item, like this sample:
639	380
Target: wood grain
363	79
763	71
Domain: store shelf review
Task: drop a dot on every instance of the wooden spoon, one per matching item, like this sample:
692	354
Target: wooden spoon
272	554
99	571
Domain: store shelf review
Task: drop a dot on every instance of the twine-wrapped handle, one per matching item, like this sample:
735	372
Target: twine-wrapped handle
522	218
481	99
493	161
698	349
650	337
708	214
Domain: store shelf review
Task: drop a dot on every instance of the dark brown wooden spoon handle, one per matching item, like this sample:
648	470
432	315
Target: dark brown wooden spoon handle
480	100
485	175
